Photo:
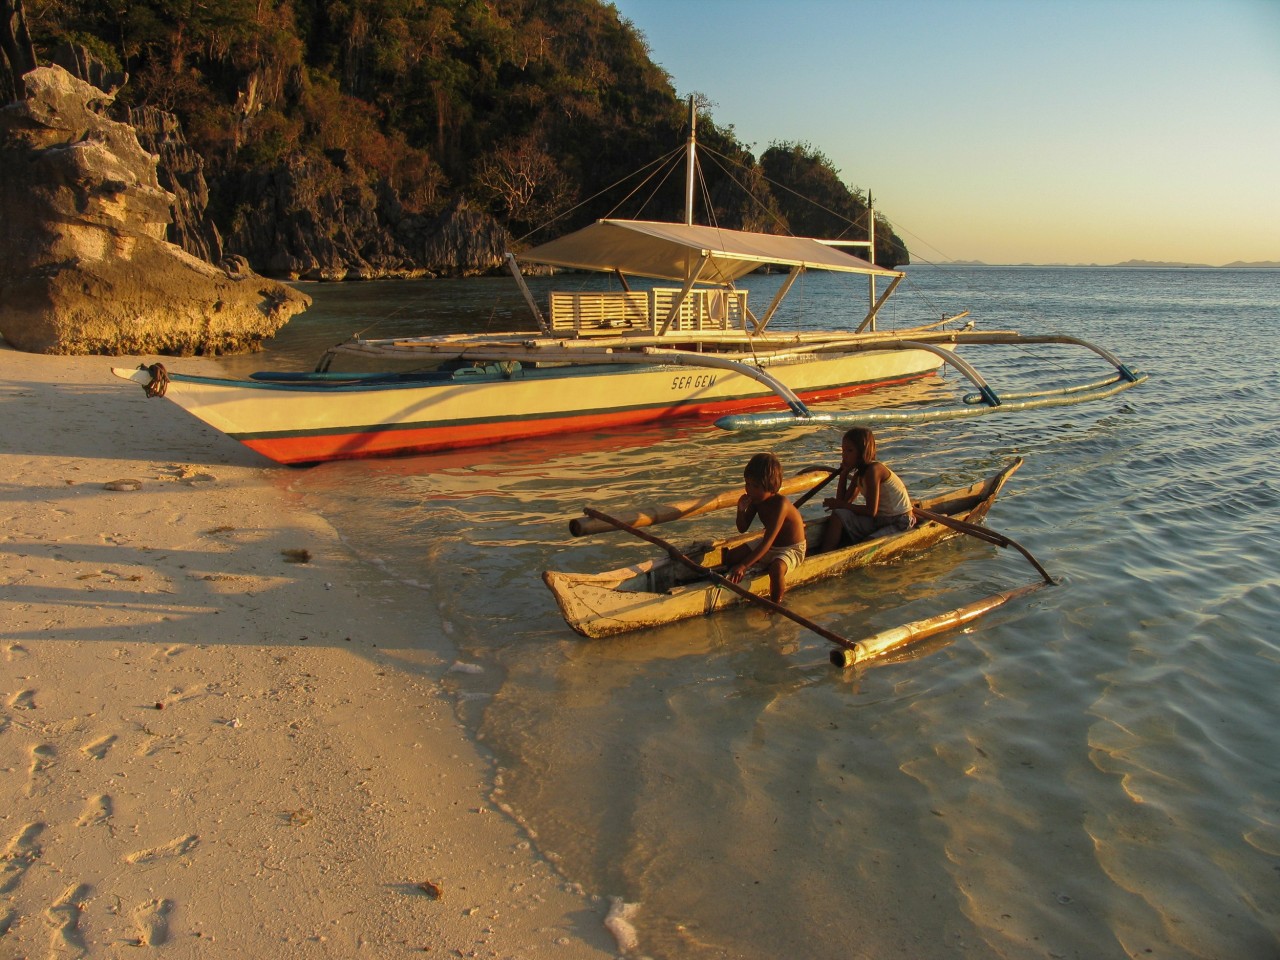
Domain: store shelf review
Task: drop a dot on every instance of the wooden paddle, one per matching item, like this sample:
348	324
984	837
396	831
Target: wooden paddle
675	554
831	472
983	533
666	512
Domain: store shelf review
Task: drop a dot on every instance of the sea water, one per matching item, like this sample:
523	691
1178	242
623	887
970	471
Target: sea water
1090	772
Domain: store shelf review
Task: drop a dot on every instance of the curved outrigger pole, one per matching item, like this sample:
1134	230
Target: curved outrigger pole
984	401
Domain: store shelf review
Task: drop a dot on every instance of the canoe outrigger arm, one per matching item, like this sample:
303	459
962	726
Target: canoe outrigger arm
685	358
949	356
985	401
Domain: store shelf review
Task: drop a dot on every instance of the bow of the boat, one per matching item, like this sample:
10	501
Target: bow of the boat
138	375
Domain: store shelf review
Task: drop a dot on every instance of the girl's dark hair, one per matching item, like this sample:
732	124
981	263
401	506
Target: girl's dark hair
864	441
765	471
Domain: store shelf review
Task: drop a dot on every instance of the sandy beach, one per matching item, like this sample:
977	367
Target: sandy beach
220	734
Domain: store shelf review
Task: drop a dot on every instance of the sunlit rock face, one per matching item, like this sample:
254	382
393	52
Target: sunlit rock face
84	264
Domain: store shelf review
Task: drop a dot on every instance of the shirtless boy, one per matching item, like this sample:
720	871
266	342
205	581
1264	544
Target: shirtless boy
783	545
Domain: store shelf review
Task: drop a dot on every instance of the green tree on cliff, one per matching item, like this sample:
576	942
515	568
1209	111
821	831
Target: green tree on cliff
534	110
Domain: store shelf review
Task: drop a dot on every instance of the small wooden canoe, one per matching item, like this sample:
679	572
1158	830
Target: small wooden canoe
659	591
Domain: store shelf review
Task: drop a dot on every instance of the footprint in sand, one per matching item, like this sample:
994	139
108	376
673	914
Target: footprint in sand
96	810
21	852
189	693
168	653
23	700
42	758
156	743
99	748
178	695
15	651
63	919
174	848
152	919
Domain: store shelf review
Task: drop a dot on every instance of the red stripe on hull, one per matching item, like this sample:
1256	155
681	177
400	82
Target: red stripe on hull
410	440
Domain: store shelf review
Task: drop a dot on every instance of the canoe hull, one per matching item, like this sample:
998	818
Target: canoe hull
296	422
621	601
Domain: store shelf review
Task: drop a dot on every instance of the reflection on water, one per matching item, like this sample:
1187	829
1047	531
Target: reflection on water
1086	773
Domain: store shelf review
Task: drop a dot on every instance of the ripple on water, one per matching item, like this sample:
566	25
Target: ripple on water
1090	772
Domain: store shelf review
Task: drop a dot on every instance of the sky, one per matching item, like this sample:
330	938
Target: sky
1010	131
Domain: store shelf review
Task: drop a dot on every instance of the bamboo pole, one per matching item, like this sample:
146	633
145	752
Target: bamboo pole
897	637
650	514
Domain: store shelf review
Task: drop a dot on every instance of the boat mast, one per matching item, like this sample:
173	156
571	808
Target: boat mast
690	160
871	252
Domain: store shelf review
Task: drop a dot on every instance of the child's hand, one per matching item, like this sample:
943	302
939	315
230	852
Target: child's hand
736	573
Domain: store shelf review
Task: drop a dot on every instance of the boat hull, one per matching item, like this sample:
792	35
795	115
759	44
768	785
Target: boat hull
299	422
633	598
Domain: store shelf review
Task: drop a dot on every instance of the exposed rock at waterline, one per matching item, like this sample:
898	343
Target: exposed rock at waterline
313	218
84	266
463	241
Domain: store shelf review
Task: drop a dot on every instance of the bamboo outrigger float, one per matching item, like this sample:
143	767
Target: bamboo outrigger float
666	590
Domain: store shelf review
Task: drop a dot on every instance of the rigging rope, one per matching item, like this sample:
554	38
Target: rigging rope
159	380
668	158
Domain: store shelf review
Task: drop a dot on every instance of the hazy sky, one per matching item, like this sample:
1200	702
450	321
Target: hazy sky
1010	131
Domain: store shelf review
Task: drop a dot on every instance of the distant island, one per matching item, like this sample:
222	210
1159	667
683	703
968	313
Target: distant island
1264	264
1235	265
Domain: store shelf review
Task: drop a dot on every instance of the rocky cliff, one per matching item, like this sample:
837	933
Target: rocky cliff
313	218
84	263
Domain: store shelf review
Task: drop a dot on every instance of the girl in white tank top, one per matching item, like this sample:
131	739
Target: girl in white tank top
886	504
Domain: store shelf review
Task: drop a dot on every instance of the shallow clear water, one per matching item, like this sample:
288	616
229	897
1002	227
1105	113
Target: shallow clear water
1091	772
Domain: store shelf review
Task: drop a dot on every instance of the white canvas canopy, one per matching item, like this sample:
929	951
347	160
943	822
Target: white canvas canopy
687	253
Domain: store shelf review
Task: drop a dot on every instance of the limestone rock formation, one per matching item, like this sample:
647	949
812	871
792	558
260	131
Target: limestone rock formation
463	241
181	172
84	266
180	169
313	218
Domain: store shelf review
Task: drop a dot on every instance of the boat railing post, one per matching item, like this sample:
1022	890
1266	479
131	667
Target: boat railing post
514	267
869	321
778	297
674	313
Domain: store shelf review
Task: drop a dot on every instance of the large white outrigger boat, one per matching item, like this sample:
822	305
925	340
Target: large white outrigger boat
689	346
